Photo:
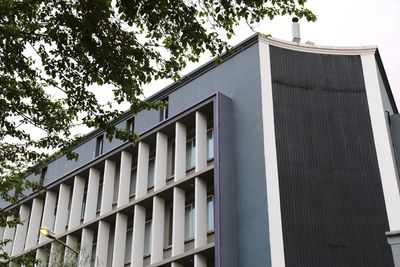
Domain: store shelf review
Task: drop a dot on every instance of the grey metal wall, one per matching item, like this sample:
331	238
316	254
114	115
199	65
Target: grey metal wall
224	188
395	129
333	210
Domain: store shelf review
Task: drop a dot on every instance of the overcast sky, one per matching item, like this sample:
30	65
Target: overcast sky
339	23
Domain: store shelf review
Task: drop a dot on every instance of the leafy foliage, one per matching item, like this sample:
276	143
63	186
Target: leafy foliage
52	51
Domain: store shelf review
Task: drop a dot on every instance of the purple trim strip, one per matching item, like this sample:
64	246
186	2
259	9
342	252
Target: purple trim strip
217	180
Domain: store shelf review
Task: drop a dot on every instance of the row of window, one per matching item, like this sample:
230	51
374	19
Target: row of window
189	228
188	231
130	126
190	163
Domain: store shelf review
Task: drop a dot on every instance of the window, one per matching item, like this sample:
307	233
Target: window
132	187
69	208
93	258
147	238
84	202
210	144
116	186
99	146
189	221
43	175
130	124
54	214
150	178
128	245
210	213
190	153
169	220
99	196
164	111
171	159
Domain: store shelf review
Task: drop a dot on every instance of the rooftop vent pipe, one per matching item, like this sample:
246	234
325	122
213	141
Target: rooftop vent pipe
296	30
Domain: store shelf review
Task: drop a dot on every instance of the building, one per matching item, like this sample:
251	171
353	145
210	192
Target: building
283	155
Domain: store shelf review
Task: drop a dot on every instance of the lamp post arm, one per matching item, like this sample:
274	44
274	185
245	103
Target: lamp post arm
65	245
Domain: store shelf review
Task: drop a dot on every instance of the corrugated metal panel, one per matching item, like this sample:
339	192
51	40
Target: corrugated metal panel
333	211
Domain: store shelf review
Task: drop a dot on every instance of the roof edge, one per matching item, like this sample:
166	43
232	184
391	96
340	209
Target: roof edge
320	49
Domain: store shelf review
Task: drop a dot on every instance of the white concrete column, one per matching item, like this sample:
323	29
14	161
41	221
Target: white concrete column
76	202
70	257
180	151
124	178
22	229
200	260
48	213
200	212
121	224
34	223
160	172
382	139
178	222
142	170
42	256
270	159
139	218
201	142
8	235
85	253
62	209
103	239
175	264
56	253
92	194
157	230
108	186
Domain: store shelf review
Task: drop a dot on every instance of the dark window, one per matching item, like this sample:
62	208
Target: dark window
130	124
164	111
147	238
190	153
43	175
189	221
83	207
132	187
128	245
99	196
171	212
210	145
150	177
171	159
99	146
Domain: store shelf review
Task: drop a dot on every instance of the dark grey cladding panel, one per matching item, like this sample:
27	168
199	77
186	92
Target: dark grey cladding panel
225	188
146	119
395	129
333	210
62	166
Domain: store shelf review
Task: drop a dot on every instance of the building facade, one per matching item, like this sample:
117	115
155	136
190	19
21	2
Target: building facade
283	155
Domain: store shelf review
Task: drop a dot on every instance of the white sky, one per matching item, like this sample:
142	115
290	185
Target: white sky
339	23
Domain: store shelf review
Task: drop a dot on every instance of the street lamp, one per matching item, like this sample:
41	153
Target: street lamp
50	234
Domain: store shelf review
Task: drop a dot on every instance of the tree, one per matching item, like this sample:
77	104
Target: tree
53	51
